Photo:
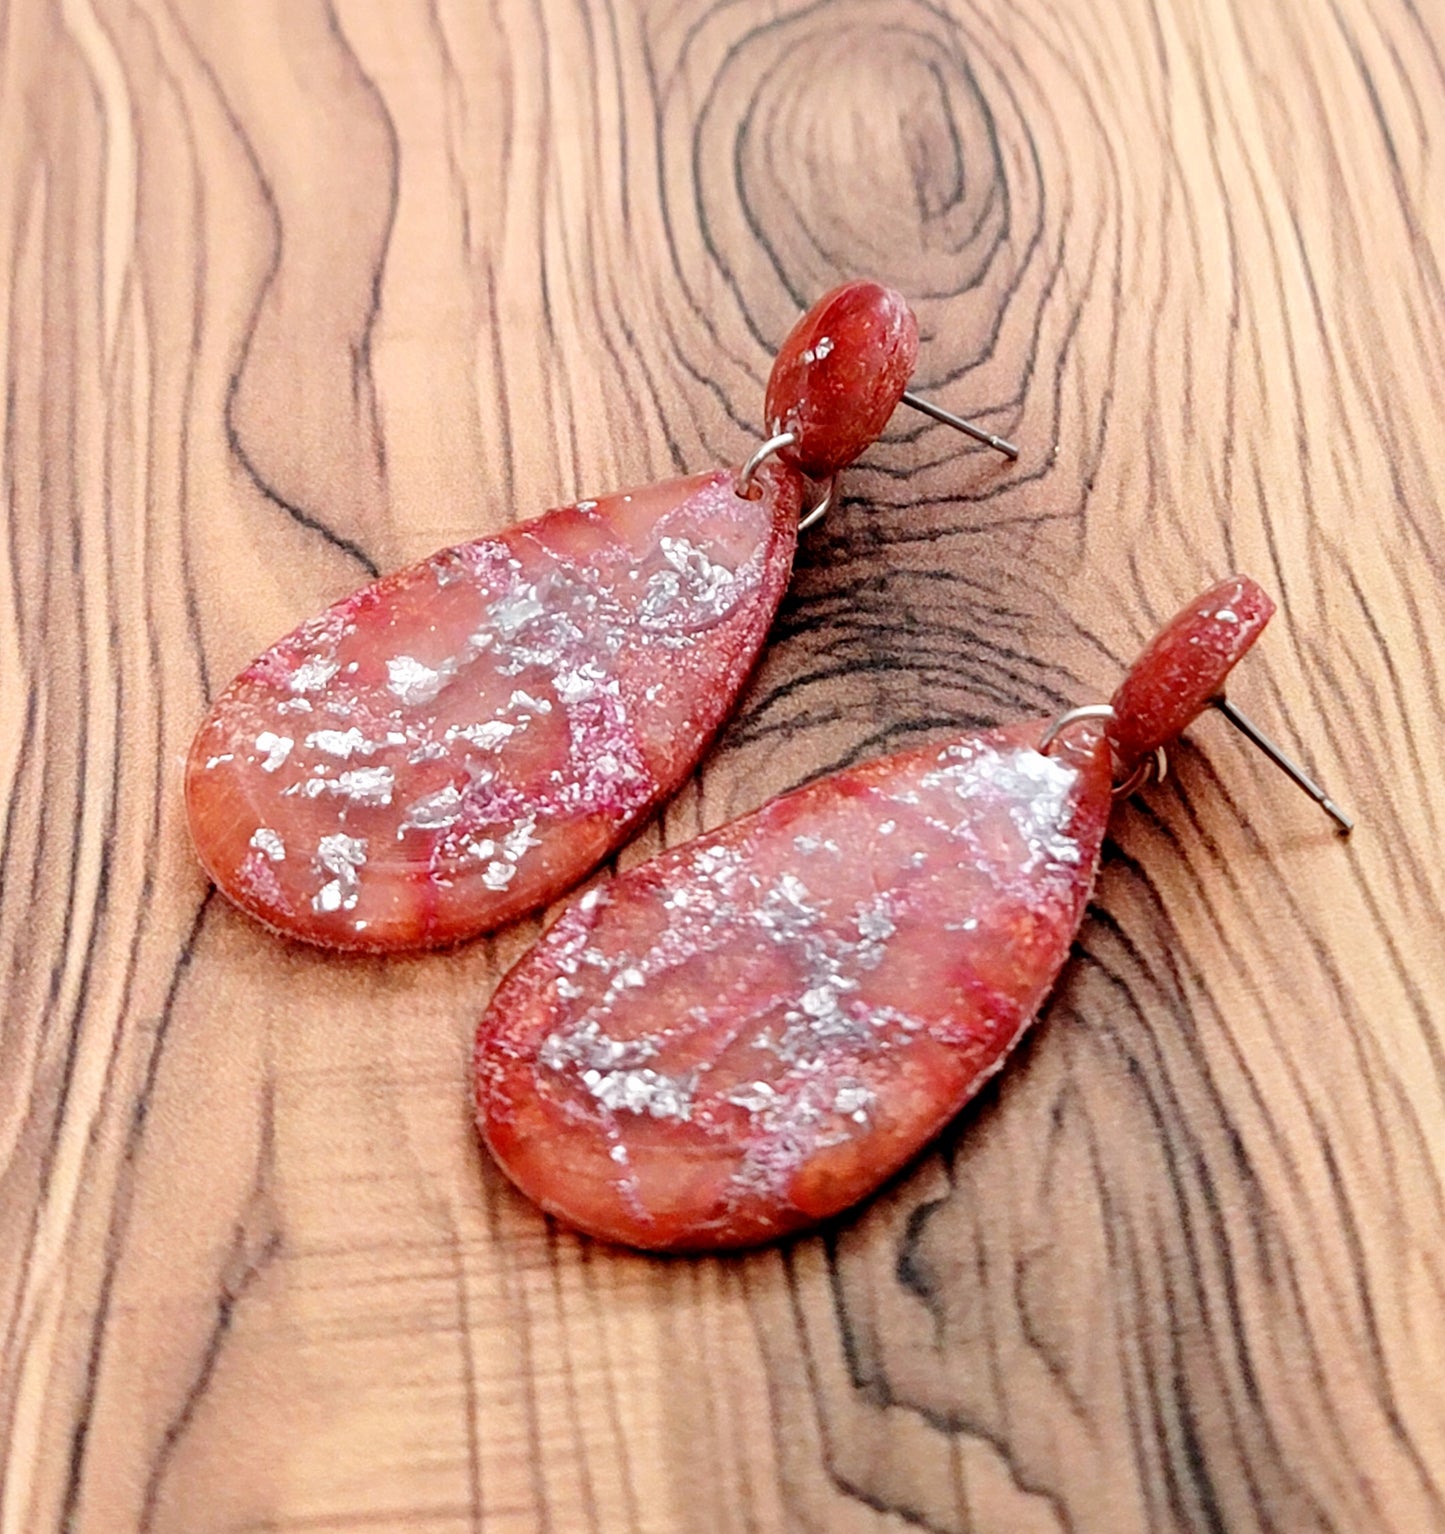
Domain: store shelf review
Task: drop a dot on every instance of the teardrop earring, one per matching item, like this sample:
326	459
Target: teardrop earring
755	1030
461	742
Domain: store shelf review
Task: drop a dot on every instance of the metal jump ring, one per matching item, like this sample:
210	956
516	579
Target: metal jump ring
744	482
1156	766
1074	716
817	512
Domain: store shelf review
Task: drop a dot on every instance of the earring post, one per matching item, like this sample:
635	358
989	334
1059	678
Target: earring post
1286	764
938	413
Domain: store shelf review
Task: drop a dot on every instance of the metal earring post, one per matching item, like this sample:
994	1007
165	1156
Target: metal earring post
938	413
1291	768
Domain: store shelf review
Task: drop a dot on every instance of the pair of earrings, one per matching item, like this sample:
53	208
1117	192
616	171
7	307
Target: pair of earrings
751	1032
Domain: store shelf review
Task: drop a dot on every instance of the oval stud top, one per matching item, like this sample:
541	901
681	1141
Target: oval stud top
1184	667
840	374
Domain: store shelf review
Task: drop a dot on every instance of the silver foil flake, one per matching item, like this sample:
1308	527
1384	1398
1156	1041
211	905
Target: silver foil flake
883	1019
874	925
365	785
413	681
642	1091
268	842
1045	788
1038	790
434	812
694	586
498	875
756	1097
520	699
786	911
491	735
663	591
276	749
340	851
629	979
313	674
853	1100
579	683
821	1001
817	1018
513	612
715	863
519	839
588	1047
342	743
342	856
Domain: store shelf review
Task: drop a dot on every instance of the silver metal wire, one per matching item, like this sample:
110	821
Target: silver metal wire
1074	716
1155	766
1286	763
744	482
821	507
938	413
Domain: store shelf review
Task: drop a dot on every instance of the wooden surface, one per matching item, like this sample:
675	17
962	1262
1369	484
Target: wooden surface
294	292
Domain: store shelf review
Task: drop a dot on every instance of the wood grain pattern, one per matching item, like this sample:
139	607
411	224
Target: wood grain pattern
297	290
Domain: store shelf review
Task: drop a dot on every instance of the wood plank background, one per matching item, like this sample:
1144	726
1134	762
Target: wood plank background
298	290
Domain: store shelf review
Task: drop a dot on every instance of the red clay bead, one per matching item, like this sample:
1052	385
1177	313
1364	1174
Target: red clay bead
1183	669
755	1030
840	374
461	742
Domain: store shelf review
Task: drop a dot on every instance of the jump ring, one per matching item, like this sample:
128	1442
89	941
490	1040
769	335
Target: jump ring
1155	766
817	512
1074	716
744	482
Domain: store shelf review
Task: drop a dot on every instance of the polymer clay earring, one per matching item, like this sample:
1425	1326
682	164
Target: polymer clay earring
459	743
753	1031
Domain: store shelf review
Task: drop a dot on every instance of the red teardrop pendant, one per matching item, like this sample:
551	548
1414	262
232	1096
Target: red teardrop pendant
753	1031
461	742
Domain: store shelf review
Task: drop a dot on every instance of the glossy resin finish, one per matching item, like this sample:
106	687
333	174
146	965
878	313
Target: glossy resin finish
463	741
840	374
753	1031
1183	669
